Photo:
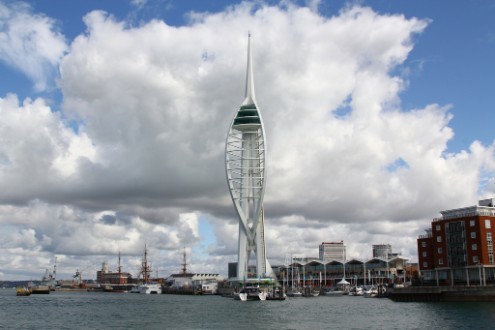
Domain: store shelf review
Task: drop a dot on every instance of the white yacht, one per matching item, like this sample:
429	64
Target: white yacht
371	292
150	288
294	293
250	293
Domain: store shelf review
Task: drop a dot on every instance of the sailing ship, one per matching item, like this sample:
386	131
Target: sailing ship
148	287
182	282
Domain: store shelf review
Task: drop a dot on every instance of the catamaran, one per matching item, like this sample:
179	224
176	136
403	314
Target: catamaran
250	292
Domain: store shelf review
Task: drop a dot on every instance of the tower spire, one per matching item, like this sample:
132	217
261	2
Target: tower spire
250	96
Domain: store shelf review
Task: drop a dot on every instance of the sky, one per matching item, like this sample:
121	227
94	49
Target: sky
114	115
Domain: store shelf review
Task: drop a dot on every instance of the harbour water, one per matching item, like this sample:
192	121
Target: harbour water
89	310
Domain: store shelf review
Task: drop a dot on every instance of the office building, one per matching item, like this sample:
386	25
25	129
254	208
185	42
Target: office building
458	248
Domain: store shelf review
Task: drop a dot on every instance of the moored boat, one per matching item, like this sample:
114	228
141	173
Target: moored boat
250	293
150	288
40	289
371	292
276	294
294	293
47	283
356	291
336	291
23	291
311	292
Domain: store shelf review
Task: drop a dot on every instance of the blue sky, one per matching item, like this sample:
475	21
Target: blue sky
113	125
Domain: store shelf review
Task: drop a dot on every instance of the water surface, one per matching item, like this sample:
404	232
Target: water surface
89	310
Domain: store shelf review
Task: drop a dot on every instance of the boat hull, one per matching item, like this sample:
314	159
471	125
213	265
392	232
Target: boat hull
250	293
249	297
40	289
294	294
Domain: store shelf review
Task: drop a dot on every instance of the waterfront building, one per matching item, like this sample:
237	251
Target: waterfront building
332	251
105	276
386	267
458	247
382	251
303	260
245	160
396	270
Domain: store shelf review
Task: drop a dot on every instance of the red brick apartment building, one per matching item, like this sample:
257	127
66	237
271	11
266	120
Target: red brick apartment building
458	248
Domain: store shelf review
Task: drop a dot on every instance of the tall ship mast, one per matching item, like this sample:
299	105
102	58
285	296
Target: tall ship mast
145	266
184	264
147	286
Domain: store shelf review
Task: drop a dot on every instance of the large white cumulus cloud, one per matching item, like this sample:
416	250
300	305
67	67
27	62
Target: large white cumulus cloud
31	43
37	151
153	103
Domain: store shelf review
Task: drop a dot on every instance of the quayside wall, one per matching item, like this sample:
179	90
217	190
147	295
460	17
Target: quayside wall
443	293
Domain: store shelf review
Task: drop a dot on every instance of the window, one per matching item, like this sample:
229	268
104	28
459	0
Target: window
471	223
424	254
473	234
489	245
440	250
423	244
474	247
455	243
488	225
439	239
425	264
440	261
475	259
438	227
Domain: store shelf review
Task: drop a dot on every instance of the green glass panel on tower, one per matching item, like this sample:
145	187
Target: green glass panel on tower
247	115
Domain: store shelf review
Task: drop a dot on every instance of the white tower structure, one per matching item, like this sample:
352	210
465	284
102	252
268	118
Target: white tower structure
245	155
